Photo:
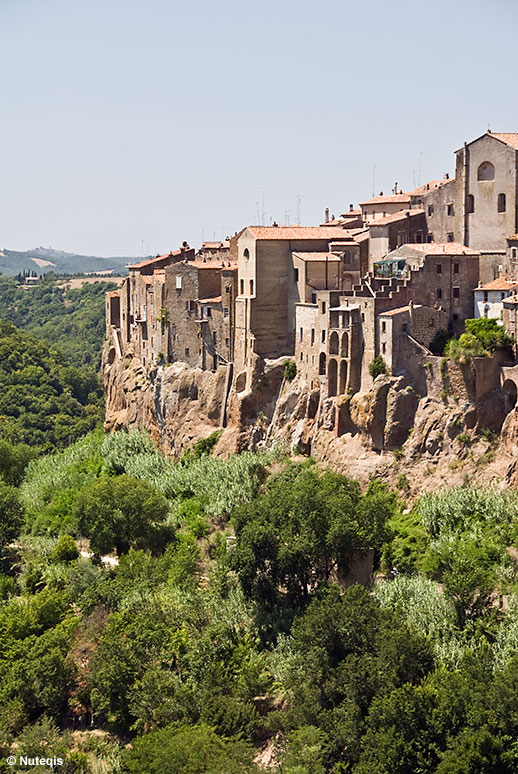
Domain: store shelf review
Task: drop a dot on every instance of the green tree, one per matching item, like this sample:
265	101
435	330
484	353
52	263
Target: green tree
11	513
188	750
121	512
377	367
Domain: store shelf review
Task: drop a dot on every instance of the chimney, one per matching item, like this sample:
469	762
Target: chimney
326	219
351	208
447	176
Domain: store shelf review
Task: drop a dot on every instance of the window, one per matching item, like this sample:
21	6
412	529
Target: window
225	311
323	307
439	268
312	336
430	210
449	237
404	327
501	202
301	356
347	257
296	273
301	334
456	292
251	287
502	296
449	209
383	326
419	237
214	337
486	171
246	254
470	204
242	287
383	347
429	238
485	296
513	252
455	316
227	342
178	282
455	268
438	293
313	297
323	336
187	351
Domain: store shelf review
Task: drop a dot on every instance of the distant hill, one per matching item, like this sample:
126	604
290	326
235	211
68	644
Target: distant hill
42	260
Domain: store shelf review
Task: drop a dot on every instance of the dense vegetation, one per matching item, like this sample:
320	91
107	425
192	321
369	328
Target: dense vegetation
45	402
72	321
224	624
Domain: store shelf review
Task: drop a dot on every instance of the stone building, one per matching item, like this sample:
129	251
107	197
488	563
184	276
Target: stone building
278	267
489	297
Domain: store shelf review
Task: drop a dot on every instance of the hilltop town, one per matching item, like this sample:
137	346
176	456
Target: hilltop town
358	304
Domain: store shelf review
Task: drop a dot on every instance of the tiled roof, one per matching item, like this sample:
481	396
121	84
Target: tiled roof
511	300
394	199
510	138
395	217
499	284
399	310
322	257
362	237
215	265
213	300
440	248
422	189
513	237
113	293
216	245
158	258
296	232
334	222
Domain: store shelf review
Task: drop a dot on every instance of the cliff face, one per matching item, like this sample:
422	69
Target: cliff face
460	430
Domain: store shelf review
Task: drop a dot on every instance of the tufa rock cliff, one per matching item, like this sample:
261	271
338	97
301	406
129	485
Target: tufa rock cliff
463	426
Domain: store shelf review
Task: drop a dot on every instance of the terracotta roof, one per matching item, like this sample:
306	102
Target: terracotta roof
499	284
440	248
334	222
351	214
510	138
212	300
422	189
216	264
513	238
362	237
399	310
216	245
322	257
394	199
157	258
296	232
401	215
511	300
113	293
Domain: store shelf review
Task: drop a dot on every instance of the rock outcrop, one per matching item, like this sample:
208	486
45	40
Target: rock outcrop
412	441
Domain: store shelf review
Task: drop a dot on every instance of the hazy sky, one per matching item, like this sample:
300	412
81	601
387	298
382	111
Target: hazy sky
134	124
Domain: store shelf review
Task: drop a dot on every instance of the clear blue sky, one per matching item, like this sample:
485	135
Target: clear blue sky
152	121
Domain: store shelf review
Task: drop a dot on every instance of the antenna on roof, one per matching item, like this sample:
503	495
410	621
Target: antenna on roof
419	176
299	207
373	180
262	210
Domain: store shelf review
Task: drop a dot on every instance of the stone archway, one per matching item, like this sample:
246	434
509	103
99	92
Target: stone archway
333	343
343	377
332	378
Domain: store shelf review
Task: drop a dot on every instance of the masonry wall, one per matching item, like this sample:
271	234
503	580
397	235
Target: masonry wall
486	228
438	223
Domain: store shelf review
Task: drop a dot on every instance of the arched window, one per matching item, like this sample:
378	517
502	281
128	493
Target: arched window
501	202
333	343
345	345
322	364
486	171
343	377
470	203
246	253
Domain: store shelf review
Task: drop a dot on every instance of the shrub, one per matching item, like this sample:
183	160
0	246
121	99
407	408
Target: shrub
377	367
464	439
290	370
65	550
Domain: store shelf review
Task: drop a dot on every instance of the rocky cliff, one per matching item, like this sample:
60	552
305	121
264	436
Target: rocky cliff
461	429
